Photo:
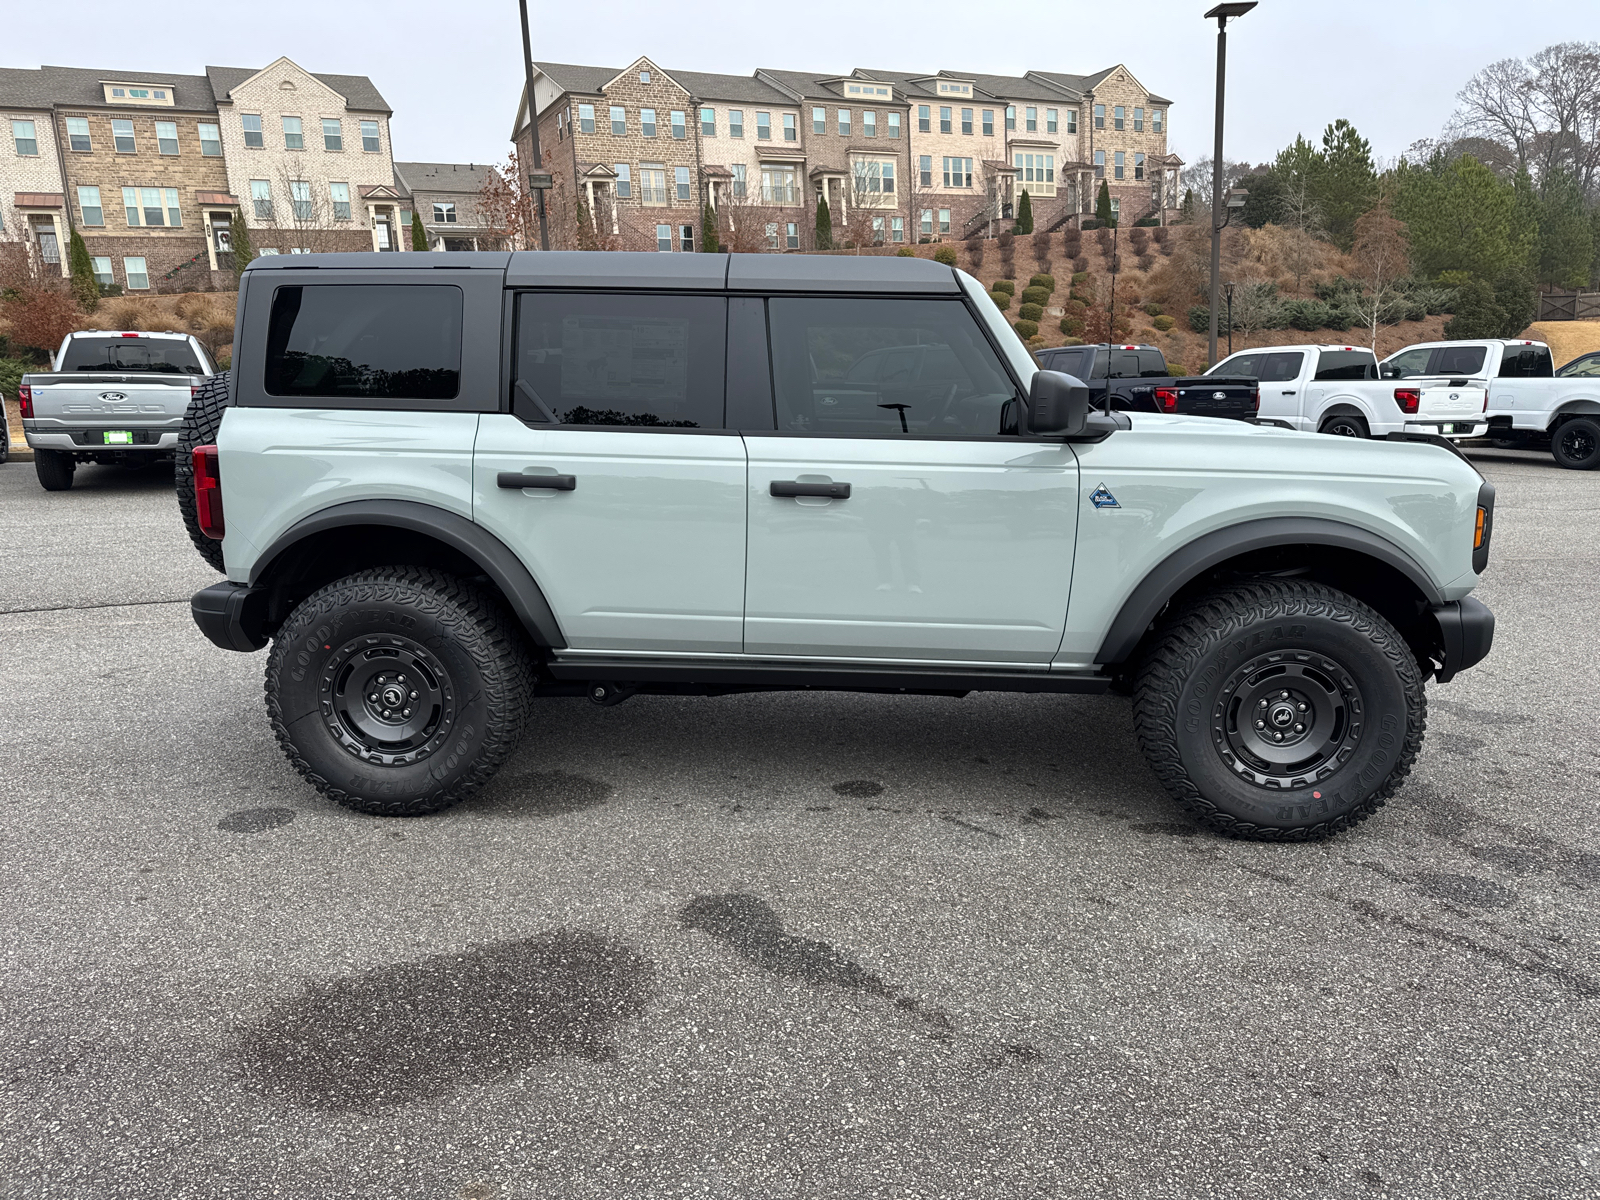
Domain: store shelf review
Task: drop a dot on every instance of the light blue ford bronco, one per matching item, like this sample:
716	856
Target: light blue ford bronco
445	486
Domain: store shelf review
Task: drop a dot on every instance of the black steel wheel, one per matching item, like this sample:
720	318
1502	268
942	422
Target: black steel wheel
1287	720
1576	444
387	699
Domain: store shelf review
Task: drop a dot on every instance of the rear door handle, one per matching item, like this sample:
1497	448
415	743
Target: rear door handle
556	483
789	487
1288	393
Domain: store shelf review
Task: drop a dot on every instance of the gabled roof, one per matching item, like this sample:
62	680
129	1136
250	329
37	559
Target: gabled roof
1010	87
743	89
80	87
802	84
358	91
586	81
912	84
443	177
1087	83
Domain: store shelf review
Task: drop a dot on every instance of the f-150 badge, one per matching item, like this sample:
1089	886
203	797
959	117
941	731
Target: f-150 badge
1102	498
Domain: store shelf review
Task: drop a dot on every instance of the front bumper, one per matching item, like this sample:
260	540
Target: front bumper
231	615
1466	631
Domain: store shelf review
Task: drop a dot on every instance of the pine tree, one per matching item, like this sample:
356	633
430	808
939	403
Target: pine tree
709	242
1566	242
824	225
84	289
1347	182
243	251
419	236
1024	222
1102	207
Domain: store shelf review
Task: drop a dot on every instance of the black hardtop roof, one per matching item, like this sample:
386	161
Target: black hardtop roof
624	269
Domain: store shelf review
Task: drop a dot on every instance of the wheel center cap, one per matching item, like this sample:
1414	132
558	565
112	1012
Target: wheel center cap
1282	715
393	696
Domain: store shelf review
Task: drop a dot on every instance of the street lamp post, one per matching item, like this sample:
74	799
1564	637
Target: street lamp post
1229	286
539	180
1223	13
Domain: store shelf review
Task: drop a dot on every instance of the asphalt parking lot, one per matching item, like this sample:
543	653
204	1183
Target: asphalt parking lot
776	946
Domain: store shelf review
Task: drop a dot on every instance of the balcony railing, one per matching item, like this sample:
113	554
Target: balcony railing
652	195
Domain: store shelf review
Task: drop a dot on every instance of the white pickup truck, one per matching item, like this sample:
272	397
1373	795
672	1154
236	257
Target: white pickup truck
1527	405
1339	390
111	397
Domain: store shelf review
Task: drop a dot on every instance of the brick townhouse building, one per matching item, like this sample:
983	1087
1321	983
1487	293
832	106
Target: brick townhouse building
898	157
446	196
152	169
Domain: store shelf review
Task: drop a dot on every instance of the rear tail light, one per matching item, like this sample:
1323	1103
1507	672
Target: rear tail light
1485	399
1255	400
208	492
1409	399
25	400
1167	398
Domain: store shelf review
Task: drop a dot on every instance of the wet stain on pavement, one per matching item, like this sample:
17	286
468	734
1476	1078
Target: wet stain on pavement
859	788
1457	743
748	926
547	794
1463	889
1478	716
1516	860
417	1030
1011	1054
256	820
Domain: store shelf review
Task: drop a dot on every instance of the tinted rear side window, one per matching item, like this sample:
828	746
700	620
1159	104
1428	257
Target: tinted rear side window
1068	362
1282	367
1347	364
397	342
1528	362
1459	360
593	359
156	356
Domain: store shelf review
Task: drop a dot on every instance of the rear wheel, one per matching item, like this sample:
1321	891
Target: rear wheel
201	420
399	691
1345	425
1576	444
54	468
1281	711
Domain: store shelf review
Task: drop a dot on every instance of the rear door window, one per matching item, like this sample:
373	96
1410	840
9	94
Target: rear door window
1248	365
1407	364
1527	362
1347	364
365	341
1281	367
1459	360
623	361
153	356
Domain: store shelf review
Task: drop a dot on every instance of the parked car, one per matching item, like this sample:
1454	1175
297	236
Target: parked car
445	492
1528	405
1136	379
1337	390
1585	366
110	397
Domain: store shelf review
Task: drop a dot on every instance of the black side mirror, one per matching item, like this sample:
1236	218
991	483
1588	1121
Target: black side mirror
1058	404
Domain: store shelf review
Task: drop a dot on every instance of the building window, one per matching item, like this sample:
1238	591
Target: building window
819	120
1118	115
944	220
293	136
22	133
897	228
1072	120
736	122
89	206
644	76
78	135
1138	120
778	187
444	212
130	206
958	172
1099	116
252	130
877	231
738	180
647	122
624	180
1138	165
369	137
339	193
1116	205
150	204
927	222
844	122
300	199
894	125
680	126
966	120
988	122
102	271
924	122
686	238
681	178
332	134
586	118
1099	164
266	250
619	120
1155	120
763	127
708	121
663	237
260	199
874	178
653	185
925	170
944	120
1031	119
122	137
772	235
210	140
1052	120
1037	173
138	277
1011	118
1117	161
791	235
166	137
791	132
869	123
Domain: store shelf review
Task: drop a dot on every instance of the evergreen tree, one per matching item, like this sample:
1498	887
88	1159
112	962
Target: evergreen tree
243	251
824	225
709	242
84	289
1526	216
1566	241
1264	203
1024	221
419	236
1461	217
1347	182
1102	206
1299	163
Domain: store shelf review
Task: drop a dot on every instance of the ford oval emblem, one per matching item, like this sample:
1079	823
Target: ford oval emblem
113	395
1455	395
1219	395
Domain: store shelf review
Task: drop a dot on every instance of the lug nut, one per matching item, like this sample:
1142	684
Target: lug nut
414	696
1301	707
1277	737
373	697
1283	695
1299	728
402	679
1261	724
405	712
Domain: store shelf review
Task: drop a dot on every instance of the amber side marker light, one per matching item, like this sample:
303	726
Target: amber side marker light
1477	533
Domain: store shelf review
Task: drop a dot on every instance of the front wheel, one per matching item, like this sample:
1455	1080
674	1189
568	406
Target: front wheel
1576	444
55	469
1345	425
1280	711
399	691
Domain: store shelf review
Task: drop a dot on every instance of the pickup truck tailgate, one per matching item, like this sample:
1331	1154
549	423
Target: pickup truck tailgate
1450	398
1208	396
110	399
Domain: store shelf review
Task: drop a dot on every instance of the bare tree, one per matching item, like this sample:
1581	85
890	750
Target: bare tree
1382	253
866	222
1298	208
1544	111
1196	177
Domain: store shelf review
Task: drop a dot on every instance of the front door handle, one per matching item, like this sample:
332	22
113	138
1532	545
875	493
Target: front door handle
789	487
1288	393
556	483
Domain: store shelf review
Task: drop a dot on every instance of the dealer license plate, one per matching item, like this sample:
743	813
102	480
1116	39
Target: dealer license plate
118	437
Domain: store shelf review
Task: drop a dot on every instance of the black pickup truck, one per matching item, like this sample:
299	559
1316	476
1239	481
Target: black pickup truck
1137	380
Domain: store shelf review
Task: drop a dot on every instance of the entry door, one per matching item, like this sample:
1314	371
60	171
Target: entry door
890	516
629	506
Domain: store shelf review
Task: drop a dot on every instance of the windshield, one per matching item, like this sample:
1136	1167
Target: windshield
155	356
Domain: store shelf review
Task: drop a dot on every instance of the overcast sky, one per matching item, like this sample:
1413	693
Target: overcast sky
452	72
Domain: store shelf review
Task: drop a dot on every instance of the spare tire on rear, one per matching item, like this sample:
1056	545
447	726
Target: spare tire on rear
200	423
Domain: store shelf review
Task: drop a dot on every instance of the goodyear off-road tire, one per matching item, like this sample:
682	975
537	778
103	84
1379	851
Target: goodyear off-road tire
200	423
1279	711
54	468
1575	444
399	691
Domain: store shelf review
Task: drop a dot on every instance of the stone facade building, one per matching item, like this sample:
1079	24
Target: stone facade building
32	197
446	196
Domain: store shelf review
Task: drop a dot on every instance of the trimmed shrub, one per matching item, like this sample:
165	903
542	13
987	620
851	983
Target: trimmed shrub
905	252
1006	239
1036	341
1024	221
1072	340
1080	276
1147	223
1048	282
1002	300
1026	329
1146	261
1152	309
1339	318
1072	240
1200	318
1176	369
1089	223
1116	262
1306	314
1076	307
975	254
1004	285
1031	312
1080	265
945	255
1072	326
1163	323
419	236
1102	238
1035	295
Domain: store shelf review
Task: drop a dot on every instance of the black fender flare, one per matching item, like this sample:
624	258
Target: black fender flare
492	556
1207	551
